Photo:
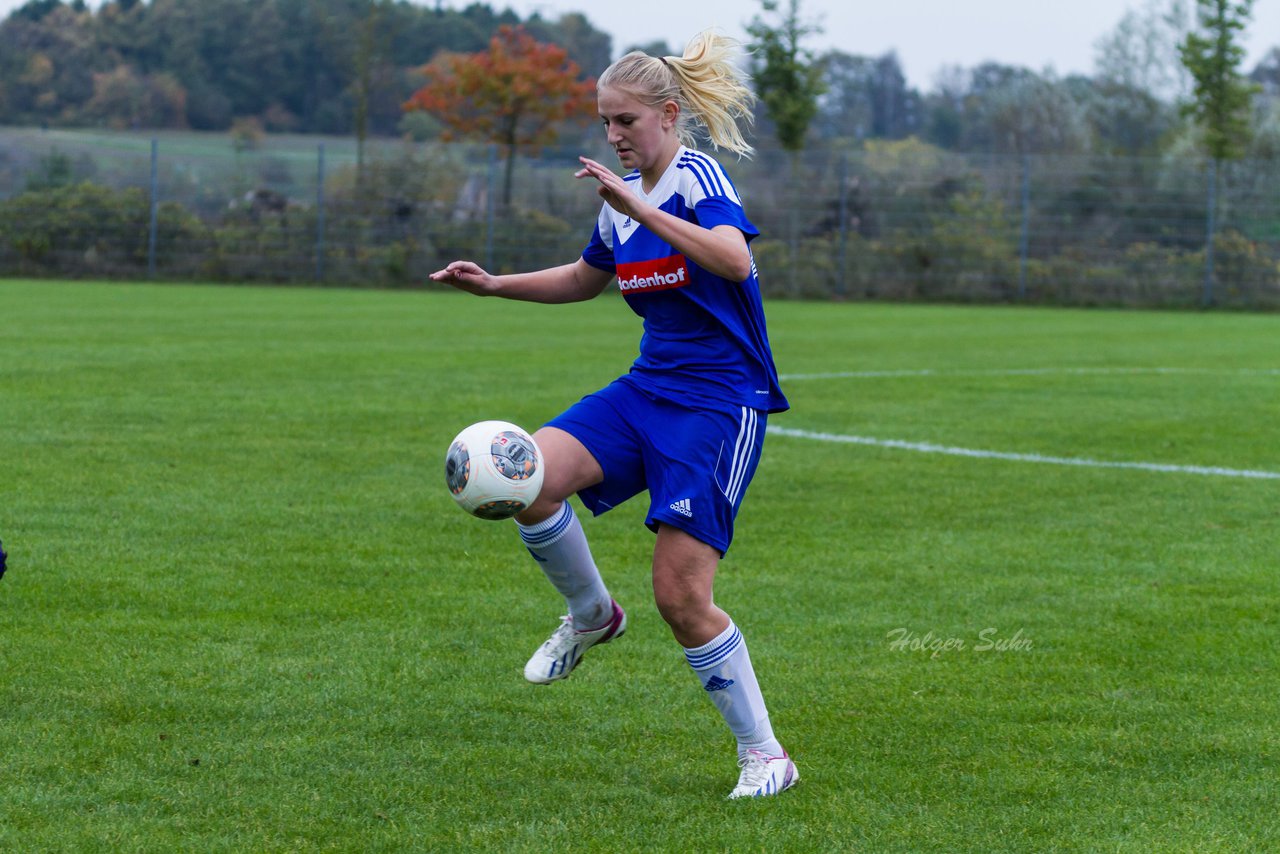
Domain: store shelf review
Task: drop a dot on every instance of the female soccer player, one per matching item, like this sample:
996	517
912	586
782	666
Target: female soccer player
687	422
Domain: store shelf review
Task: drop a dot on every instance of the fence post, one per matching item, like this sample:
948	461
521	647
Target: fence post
1024	241
490	180
155	209
844	226
320	214
1207	298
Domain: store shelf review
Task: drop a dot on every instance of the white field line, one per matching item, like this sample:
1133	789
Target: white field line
929	448
1030	372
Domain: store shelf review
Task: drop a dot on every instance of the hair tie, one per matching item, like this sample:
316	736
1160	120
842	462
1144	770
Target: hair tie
663	60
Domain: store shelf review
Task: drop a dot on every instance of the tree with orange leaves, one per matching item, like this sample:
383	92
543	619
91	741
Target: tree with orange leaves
516	94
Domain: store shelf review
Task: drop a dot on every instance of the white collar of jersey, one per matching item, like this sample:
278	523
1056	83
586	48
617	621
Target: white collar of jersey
663	190
666	184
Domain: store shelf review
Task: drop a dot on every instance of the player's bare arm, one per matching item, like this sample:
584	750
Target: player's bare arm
721	250
573	282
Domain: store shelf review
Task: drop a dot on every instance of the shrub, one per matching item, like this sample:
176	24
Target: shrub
1244	273
813	274
87	229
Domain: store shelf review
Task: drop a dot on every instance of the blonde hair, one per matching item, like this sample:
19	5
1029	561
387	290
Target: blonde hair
710	89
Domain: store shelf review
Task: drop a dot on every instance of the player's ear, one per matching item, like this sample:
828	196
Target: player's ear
670	114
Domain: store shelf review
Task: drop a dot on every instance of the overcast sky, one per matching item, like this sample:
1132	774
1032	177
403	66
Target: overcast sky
927	34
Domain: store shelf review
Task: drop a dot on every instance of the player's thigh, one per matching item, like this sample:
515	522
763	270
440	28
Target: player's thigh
567	464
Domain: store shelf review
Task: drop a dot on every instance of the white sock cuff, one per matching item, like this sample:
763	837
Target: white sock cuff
714	653
548	531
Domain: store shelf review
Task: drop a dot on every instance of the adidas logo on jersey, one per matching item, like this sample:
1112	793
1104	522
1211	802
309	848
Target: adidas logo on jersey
684	507
659	274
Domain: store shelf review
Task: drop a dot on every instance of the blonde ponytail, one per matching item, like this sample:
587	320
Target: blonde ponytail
709	87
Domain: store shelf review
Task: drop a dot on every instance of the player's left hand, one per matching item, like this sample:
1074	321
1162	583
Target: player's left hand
612	188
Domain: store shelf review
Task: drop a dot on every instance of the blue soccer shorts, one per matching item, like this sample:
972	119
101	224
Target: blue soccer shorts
695	463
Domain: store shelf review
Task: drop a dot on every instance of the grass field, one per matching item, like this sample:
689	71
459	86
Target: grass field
242	613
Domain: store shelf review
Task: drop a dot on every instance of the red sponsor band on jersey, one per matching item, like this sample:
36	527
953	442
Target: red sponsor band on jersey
659	274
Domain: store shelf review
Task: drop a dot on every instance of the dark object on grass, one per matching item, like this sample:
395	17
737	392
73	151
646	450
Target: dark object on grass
2	558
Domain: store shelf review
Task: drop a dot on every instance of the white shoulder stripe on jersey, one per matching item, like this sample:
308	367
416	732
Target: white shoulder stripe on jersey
705	171
709	174
708	171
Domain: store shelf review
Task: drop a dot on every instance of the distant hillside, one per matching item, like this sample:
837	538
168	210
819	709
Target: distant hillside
287	65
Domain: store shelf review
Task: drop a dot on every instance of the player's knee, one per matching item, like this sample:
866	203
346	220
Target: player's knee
556	489
679	616
543	508
682	607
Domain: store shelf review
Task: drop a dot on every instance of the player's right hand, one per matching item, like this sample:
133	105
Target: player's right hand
467	276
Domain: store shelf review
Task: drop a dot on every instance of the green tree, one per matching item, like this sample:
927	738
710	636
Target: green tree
1124	119
367	50
1030	114
1221	94
866	97
1138	78
124	99
55	170
788	79
36	10
587	46
942	111
789	82
1222	97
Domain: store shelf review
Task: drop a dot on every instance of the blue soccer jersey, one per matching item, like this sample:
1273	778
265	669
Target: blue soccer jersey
704	336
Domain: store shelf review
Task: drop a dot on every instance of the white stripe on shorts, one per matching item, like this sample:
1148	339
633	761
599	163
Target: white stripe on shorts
742	450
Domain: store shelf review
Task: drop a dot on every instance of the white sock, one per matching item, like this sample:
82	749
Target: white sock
559	545
725	669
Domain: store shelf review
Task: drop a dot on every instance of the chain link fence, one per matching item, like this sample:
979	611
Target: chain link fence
884	220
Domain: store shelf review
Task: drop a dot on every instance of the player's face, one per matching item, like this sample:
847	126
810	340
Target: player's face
642	136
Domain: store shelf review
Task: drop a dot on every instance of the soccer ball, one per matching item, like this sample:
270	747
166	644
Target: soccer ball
493	469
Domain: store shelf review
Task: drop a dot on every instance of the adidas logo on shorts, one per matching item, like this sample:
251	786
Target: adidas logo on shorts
683	507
